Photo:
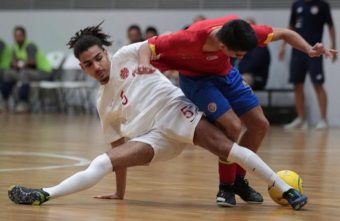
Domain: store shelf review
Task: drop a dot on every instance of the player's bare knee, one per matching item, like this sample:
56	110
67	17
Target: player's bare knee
222	143
259	127
211	138
219	144
233	129
131	154
263	125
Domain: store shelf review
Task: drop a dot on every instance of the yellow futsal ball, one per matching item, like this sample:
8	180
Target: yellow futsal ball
292	179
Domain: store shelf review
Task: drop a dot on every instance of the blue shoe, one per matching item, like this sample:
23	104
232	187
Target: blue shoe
295	199
23	195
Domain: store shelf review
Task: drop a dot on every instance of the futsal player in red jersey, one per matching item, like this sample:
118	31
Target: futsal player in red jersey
202	54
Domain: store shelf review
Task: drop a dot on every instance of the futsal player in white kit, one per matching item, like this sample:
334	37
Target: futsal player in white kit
153	115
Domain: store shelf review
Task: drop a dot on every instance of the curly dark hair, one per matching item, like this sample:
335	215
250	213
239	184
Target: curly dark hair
87	37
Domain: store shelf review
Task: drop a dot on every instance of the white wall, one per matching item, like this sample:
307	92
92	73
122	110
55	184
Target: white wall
52	29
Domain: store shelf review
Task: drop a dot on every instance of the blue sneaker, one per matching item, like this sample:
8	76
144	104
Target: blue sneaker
23	195
295	199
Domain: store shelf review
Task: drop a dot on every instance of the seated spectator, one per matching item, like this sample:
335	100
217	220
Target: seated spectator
28	64
134	34
254	66
5	63
5	56
150	32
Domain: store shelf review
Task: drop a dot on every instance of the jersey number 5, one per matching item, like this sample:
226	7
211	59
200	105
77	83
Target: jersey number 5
124	98
186	112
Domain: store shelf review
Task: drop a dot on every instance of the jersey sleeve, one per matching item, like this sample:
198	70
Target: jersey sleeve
293	15
127	52
328	16
264	34
164	43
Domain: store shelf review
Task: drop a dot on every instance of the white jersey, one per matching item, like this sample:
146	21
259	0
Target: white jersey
131	105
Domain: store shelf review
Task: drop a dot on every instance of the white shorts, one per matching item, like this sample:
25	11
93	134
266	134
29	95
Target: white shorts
174	129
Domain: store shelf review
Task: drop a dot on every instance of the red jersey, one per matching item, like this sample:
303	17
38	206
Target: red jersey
182	50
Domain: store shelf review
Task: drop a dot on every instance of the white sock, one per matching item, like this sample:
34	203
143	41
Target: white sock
98	168
248	160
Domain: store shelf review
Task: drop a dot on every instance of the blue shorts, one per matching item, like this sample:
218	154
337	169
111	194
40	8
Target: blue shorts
300	65
215	95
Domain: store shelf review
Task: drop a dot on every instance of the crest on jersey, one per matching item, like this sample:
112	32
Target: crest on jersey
124	73
212	107
314	10
299	10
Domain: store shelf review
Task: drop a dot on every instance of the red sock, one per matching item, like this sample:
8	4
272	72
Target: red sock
240	171
227	172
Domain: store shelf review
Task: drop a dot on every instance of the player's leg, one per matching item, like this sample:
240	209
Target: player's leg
256	128
8	79
299	101
298	71
211	138
246	105
230	124
256	125
322	100
126	155
204	93
318	78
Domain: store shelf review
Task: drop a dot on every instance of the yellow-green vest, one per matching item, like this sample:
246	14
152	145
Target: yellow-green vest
41	60
5	57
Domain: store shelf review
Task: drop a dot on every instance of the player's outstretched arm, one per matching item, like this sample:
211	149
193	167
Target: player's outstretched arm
120	186
145	55
332	38
120	179
296	41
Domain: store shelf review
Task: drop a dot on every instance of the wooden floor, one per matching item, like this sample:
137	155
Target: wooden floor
42	150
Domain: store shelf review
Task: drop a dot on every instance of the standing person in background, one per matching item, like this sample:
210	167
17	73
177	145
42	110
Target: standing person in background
5	63
28	64
134	34
308	18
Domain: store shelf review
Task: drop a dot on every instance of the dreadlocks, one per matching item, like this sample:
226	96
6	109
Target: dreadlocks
87	37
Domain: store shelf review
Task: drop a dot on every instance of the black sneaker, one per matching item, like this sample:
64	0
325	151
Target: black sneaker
246	193
295	199
226	196
23	195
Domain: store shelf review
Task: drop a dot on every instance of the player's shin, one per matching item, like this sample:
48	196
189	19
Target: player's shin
98	168
254	164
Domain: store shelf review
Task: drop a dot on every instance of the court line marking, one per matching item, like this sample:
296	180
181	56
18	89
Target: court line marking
79	160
